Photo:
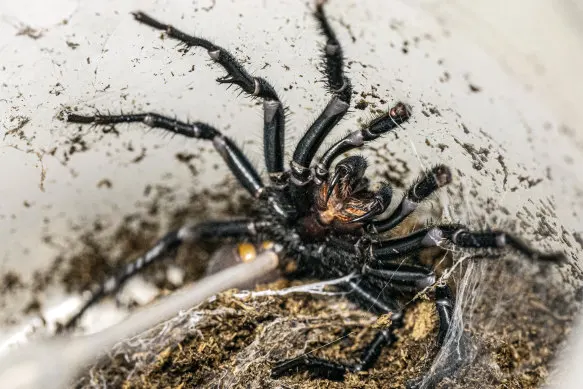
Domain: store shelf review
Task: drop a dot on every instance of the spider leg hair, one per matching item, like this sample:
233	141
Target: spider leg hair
338	83
456	354
406	278
341	89
322	368
376	128
273	110
162	249
459	236
400	276
309	143
444	304
426	184
232	155
372	298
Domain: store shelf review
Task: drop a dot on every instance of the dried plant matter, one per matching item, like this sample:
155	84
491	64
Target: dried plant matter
233	340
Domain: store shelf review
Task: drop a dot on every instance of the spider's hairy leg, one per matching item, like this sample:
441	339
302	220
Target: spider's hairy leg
310	142
333	70
377	127
322	368
426	184
339	85
459	236
390	249
273	110
400	276
364	293
163	248
372	298
233	156
444	303
408	278
457	354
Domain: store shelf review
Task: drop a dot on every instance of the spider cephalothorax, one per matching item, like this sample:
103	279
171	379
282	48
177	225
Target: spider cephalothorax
330	225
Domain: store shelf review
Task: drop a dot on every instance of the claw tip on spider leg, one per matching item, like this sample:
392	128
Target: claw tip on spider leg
429	182
400	112
442	175
63	116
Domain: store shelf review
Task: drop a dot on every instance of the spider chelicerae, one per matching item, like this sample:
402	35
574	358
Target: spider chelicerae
327	222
